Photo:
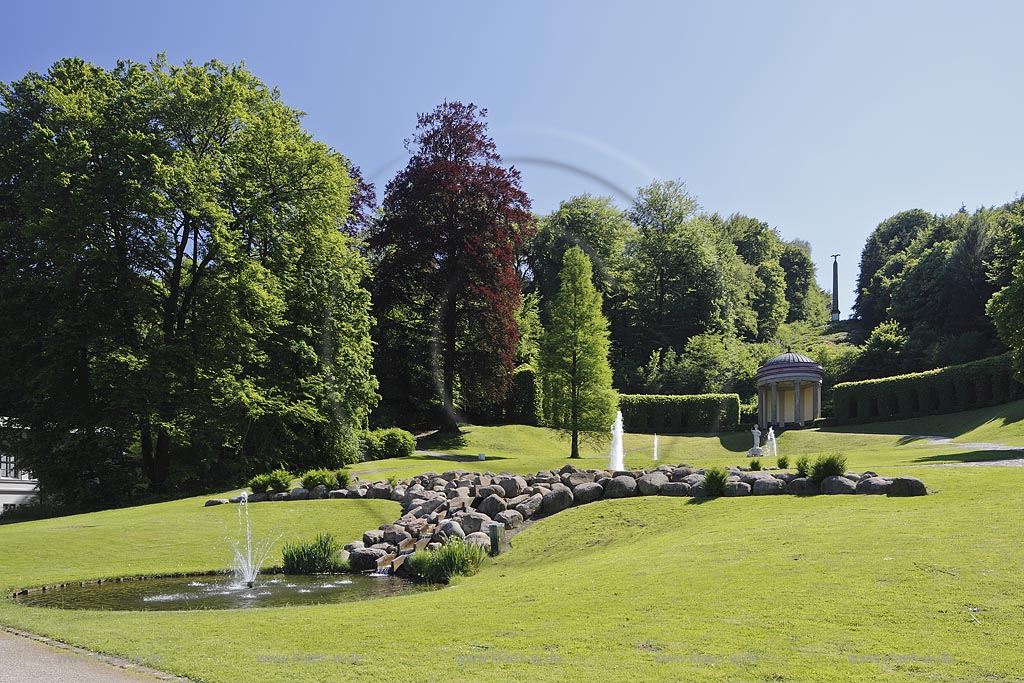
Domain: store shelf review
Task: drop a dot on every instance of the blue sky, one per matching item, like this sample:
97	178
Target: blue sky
820	118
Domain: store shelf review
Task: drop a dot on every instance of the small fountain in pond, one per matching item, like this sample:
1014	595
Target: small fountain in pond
617	454
655	446
770	444
248	559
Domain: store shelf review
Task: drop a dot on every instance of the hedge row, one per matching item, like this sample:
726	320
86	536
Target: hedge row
982	383
679	414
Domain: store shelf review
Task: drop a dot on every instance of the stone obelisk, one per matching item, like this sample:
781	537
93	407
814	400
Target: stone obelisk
835	288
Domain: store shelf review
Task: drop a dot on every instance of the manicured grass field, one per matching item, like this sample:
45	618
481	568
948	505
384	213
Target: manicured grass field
830	588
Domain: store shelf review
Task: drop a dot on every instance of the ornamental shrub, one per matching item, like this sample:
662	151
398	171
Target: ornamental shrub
260	483
715	479
782	462
828	465
322	476
279	480
803	466
651	413
755	465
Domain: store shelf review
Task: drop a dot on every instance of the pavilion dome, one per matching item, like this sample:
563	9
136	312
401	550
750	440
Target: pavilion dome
790	365
788	357
789	390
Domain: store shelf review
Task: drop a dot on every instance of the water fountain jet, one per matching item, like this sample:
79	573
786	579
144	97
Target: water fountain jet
617	454
248	559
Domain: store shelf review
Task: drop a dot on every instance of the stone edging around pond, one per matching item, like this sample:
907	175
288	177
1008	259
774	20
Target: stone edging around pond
437	507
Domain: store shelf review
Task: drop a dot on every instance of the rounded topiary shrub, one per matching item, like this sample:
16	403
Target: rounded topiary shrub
260	483
319	477
280	480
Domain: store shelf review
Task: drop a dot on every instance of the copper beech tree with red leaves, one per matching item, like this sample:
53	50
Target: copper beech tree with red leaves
446	289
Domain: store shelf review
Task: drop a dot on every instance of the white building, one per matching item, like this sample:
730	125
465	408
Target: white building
16	487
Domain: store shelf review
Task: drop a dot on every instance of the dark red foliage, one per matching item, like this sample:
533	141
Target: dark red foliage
361	204
453	221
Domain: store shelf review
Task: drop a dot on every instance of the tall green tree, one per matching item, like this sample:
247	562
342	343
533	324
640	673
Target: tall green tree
577	376
177	277
446	289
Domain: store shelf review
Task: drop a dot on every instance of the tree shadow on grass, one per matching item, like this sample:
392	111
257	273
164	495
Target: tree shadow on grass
971	456
702	500
443	441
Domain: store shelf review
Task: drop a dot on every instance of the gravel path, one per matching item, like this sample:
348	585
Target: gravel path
1015	461
28	658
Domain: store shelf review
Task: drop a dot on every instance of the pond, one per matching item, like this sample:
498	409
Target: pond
220	592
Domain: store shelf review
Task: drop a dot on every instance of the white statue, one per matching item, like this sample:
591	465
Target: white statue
757	437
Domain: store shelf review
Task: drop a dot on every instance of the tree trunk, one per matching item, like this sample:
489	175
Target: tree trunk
449	338
575	444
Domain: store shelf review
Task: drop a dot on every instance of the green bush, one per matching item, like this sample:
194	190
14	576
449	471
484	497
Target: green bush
755	465
393	480
318	477
392	442
280	480
319	556
715	479
979	384
260	483
803	466
782	462
454	558
650	413
828	465
342	478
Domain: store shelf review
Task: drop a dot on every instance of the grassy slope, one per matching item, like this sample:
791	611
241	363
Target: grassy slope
640	590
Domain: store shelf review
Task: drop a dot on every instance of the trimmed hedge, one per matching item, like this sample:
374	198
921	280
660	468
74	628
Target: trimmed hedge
651	413
381	444
523	404
982	383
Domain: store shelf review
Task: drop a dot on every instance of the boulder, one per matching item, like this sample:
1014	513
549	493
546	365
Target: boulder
365	559
694	479
372	537
474	521
479	538
651	484
907	486
752	477
531	506
282	495
451	529
852	476
396	535
767	486
680	473
784	476
803	486
490	490
215	501
354	545
299	494
621	486
873	486
510	518
257	497
676	488
492	505
587	492
576	478
513	486
841	484
557	499
318	492
737	488
698	490
338	493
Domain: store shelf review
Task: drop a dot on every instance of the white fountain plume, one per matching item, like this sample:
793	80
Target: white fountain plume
655	446
617	453
771	444
248	559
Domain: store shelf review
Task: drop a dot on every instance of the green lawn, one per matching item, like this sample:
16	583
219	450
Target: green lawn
837	588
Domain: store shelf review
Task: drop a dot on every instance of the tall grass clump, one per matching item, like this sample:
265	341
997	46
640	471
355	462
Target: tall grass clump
342	478
782	462
715	479
319	556
803	466
454	558
755	465
828	465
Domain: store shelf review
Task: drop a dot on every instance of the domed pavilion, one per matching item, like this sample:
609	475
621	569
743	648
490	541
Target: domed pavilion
789	391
